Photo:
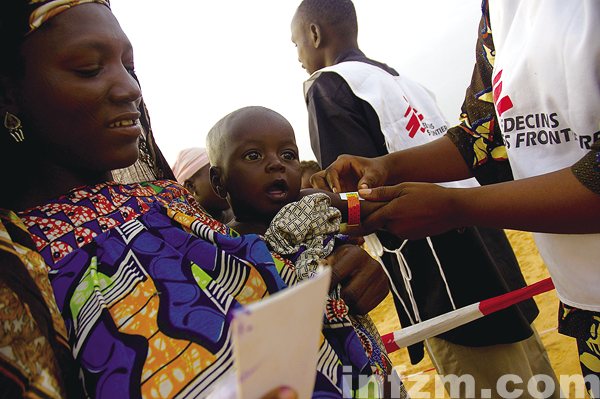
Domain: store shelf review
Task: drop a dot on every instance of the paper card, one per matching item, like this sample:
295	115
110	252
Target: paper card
276	341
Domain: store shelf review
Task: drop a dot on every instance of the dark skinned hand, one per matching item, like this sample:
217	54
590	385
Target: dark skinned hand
414	210
364	283
348	173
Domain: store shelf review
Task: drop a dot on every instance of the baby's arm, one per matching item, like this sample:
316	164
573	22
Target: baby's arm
366	207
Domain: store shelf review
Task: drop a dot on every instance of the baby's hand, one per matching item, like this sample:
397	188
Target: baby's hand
364	283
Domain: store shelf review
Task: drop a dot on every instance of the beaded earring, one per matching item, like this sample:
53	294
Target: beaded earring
13	125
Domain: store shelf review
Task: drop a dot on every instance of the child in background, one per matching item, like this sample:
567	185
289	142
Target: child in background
255	166
308	168
191	171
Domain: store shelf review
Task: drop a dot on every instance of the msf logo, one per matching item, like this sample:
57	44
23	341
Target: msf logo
502	104
414	124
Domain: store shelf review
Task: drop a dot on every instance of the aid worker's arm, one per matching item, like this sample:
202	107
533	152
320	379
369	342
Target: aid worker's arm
557	202
437	161
564	201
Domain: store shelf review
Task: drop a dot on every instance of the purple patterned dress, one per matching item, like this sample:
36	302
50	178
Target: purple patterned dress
147	284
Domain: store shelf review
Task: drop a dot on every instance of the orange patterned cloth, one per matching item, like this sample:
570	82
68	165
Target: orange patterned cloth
34	353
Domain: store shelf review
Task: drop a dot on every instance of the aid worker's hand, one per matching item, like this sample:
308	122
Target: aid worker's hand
364	283
413	210
348	173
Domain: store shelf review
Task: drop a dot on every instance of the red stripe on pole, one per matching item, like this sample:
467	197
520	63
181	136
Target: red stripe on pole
389	343
482	308
500	302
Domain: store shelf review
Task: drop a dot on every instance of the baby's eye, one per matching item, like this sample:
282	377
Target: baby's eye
289	155
252	156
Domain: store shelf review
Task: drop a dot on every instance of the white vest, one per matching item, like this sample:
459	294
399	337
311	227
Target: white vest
408	117
546	83
407	111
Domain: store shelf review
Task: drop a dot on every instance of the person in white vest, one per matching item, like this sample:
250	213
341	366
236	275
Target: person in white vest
532	107
363	107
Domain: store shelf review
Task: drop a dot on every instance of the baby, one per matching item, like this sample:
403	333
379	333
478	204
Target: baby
255	165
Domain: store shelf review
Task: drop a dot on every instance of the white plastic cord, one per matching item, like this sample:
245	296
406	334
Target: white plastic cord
375	245
441	272
406	277
406	273
395	291
432	357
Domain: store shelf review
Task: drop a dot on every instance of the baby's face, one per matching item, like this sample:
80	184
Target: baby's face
261	171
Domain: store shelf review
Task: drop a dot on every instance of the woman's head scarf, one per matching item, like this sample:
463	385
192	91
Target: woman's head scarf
20	18
43	10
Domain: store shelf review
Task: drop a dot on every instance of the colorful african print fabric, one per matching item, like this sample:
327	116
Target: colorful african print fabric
584	326
35	359
305	232
587	170
482	146
147	286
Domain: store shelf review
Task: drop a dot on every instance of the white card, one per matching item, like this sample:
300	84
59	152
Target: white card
276	340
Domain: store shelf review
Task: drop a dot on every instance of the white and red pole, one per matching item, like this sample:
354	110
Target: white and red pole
442	323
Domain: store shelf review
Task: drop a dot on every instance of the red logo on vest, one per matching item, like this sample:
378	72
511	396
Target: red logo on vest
414	122
502	104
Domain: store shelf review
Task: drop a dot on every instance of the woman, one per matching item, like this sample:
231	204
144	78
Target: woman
145	282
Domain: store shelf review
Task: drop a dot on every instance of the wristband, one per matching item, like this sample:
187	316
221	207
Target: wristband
353	207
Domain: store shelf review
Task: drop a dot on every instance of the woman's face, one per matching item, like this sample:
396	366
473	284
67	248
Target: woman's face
78	99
